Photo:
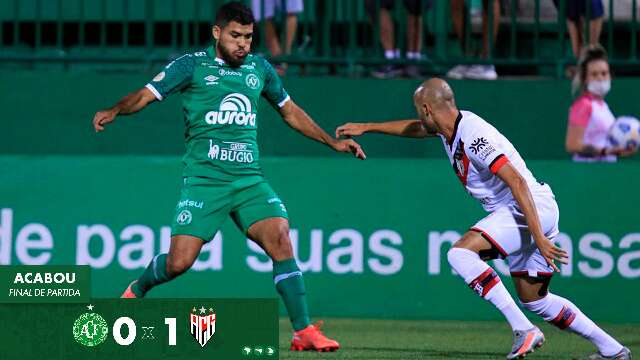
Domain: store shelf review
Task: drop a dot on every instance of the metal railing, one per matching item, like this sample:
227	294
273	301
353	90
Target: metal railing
331	33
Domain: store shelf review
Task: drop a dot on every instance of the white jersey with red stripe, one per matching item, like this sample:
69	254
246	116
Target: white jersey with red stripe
477	152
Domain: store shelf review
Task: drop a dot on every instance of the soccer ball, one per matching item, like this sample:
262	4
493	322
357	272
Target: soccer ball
625	133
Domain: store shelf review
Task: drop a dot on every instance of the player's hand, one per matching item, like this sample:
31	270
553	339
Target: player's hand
551	252
351	129
351	146
103	118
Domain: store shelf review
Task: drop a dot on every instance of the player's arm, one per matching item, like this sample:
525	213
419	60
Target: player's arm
298	119
575	145
406	128
129	104
176	76
520	190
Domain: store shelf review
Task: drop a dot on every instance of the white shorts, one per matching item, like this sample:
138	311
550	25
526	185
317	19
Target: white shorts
506	228
270	7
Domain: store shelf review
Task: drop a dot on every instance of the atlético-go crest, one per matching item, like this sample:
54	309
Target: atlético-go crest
202	323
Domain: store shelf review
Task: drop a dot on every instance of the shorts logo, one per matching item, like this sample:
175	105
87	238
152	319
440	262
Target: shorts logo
160	76
252	81
190	203
234	108
233	152
184	217
280	204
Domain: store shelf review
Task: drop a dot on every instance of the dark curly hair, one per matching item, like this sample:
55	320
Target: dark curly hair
234	11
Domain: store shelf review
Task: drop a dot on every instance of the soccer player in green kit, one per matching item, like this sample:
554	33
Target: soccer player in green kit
220	87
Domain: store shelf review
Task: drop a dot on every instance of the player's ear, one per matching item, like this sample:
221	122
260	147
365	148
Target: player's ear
427	109
216	31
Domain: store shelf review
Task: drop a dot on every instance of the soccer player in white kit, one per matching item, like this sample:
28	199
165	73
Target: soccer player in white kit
521	226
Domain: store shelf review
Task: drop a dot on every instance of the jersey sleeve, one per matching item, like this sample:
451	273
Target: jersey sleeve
484	149
176	76
273	89
580	112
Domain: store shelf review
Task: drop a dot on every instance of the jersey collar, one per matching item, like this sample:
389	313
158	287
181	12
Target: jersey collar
212	54
455	129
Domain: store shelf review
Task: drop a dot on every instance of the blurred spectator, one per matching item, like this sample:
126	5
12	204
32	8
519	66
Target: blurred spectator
387	36
590	117
576	11
479	72
292	8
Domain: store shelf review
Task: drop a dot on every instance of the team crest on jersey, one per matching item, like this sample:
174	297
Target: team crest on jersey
252	81
461	163
202	323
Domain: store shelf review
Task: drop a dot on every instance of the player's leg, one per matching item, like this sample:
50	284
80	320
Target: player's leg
500	233
201	210
535	296
273	236
260	213
531	275
466	258
183	252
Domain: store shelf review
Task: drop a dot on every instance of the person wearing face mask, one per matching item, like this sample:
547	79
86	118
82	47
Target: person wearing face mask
590	117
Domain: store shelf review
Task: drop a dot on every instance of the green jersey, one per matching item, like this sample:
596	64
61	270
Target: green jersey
220	106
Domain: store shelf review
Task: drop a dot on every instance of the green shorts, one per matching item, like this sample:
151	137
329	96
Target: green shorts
205	204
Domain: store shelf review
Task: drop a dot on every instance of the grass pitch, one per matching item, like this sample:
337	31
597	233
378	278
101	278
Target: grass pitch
428	339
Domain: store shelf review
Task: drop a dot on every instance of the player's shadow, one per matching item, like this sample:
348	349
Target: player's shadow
422	353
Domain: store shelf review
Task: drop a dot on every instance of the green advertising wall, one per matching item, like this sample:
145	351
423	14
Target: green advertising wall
48	113
371	236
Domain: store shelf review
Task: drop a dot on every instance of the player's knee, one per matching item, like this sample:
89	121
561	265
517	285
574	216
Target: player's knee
177	266
539	307
281	243
457	256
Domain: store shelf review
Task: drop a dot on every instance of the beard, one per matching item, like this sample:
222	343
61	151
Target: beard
229	58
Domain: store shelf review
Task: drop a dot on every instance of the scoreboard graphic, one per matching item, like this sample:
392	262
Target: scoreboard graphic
135	328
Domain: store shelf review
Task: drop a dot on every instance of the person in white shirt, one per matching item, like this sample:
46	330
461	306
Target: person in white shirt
521	226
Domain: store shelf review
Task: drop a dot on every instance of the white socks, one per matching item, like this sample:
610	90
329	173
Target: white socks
411	55
483	280
565	315
559	311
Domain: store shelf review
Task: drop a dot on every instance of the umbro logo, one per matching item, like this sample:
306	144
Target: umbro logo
211	80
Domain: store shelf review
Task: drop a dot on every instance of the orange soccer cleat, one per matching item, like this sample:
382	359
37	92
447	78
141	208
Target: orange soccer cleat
311	338
128	294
